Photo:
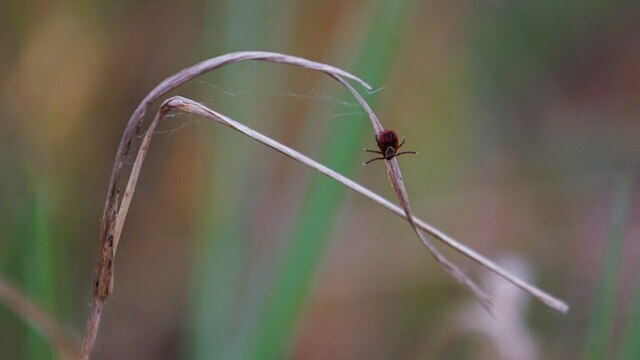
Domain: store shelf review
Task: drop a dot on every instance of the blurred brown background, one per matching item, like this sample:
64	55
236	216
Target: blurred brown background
525	116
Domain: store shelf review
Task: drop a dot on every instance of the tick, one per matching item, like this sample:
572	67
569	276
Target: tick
388	145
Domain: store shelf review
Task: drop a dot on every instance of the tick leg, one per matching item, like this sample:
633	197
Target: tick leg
373	151
405	152
374	159
401	143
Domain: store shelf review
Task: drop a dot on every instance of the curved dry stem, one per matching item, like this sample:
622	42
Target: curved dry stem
193	107
35	316
114	214
190	106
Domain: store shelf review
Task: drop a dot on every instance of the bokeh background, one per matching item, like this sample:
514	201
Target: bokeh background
525	114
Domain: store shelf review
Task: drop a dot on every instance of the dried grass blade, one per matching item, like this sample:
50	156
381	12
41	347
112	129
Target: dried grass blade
115	214
191	106
397	183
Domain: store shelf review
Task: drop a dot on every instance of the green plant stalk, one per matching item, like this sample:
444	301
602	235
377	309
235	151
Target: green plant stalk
601	321
630	348
38	262
317	216
221	260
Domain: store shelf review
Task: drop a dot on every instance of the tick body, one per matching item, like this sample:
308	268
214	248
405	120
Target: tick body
389	145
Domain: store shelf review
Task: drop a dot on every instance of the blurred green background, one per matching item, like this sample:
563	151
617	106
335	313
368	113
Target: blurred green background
525	114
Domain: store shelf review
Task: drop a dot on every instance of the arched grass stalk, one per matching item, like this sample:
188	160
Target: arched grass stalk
193	107
117	205
113	216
